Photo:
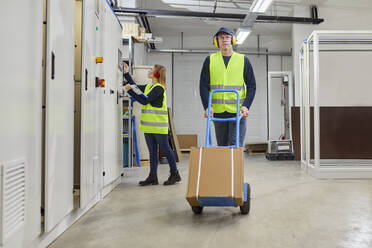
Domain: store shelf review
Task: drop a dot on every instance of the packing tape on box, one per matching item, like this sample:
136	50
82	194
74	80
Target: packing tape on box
232	172
197	185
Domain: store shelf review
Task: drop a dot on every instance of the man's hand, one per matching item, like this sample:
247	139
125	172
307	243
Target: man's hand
127	87
244	111
126	67
206	113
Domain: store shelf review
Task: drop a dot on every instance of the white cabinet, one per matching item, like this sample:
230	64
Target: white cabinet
90	169
21	111
112	105
59	132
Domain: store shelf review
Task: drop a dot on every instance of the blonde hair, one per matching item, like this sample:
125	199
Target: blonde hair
163	74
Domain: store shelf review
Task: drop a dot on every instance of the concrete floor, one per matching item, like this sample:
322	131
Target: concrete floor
288	209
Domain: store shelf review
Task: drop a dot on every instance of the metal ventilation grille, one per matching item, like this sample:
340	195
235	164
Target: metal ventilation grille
13	198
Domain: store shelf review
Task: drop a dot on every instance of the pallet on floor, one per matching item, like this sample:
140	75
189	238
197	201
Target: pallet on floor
256	148
145	162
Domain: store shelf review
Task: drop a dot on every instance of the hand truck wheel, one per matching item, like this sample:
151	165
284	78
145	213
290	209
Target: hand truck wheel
247	204
197	209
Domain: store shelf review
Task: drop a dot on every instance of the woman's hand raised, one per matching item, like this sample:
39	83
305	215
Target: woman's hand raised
127	87
126	67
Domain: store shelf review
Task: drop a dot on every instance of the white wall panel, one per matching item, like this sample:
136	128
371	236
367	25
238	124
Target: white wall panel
59	112
140	55
21	101
348	15
187	69
345	78
188	110
257	120
280	63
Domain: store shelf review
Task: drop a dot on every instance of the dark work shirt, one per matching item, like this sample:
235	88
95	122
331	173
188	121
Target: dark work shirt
155	97
249	80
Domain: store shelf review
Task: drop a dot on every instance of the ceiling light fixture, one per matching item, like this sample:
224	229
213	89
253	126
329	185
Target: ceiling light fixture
260	6
242	34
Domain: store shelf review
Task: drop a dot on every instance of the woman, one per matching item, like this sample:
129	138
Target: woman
154	122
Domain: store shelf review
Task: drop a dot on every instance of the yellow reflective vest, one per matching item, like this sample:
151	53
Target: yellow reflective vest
231	77
153	119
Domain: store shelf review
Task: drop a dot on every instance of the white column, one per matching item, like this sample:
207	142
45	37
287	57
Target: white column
307	100
316	102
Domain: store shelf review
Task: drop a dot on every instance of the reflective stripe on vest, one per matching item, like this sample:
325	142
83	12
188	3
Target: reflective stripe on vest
153	119
156	124
228	87
151	111
231	78
222	101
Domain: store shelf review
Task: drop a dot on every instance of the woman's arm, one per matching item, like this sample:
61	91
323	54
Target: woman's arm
133	94
129	78
138	98
153	97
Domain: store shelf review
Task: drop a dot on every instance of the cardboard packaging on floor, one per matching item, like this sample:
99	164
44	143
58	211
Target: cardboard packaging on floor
216	165
187	141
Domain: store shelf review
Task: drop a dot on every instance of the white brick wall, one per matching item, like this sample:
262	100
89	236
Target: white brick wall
188	109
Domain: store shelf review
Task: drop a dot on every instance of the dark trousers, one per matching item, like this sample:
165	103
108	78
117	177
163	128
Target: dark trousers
226	132
153	141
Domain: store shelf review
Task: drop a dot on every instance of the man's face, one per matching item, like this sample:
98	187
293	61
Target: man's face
224	40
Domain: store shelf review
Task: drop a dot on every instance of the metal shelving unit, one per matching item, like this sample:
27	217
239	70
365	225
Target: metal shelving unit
127	119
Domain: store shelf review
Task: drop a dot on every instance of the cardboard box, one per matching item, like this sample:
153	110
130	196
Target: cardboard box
130	29
187	140
141	32
215	177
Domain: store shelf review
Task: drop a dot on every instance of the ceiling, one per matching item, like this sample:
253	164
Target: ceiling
201	26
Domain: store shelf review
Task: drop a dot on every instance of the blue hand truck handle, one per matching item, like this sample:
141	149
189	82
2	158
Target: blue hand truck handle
208	138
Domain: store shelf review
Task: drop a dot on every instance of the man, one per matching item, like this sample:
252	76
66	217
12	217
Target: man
227	69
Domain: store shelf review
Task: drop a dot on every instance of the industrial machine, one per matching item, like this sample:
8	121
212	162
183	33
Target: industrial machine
280	139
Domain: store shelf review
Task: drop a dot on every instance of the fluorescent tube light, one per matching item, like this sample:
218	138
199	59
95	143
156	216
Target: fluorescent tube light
260	6
241	35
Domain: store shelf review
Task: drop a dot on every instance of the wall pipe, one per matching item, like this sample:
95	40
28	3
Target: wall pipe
289	54
239	17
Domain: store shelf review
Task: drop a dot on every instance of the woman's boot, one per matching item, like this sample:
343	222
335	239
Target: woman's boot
173	178
152	179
